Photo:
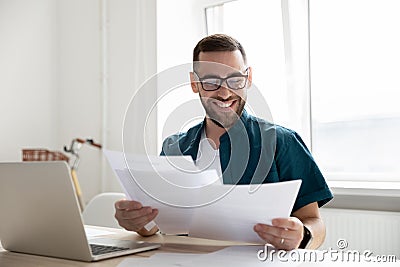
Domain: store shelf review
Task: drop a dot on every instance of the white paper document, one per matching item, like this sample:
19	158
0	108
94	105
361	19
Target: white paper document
162	186
251	256
234	216
194	202
162	259
235	256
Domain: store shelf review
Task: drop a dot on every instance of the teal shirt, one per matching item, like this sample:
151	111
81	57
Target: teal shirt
255	151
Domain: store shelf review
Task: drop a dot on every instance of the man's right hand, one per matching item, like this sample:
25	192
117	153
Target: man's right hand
132	216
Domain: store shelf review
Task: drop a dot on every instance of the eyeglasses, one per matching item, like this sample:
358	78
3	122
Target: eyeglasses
235	81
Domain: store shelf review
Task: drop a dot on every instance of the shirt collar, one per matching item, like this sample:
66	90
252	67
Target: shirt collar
238	127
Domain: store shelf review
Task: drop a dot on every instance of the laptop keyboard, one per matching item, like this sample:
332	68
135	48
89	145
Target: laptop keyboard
102	249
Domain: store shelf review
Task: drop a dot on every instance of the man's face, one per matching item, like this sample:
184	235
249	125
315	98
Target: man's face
223	105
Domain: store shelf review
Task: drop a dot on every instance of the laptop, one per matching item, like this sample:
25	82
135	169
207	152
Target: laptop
39	214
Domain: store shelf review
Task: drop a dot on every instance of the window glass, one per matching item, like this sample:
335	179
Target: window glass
355	85
257	25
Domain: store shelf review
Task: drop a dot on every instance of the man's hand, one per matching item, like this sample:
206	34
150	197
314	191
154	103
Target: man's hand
132	216
284	233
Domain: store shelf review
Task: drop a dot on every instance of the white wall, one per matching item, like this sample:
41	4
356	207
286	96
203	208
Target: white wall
53	56
79	84
131	59
180	25
28	84
49	82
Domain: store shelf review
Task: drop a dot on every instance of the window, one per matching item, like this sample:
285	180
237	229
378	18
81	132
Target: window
264	48
354	81
355	86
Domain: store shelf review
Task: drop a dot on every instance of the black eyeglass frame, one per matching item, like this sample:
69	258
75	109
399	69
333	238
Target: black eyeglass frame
222	80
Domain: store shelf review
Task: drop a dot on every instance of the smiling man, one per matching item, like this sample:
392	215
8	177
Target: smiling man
242	148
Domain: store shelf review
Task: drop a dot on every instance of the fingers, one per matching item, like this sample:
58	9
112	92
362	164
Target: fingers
132	216
124	204
273	231
284	233
277	242
291	223
137	223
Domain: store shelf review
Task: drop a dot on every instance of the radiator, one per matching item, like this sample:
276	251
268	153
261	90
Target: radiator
376	231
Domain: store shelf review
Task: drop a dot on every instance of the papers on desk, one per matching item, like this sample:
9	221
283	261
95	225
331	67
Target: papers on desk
240	256
196	203
161	259
249	256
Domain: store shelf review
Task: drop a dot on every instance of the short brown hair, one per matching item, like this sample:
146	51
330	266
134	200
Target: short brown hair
218	42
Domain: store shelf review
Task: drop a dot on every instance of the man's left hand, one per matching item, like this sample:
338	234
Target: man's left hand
284	233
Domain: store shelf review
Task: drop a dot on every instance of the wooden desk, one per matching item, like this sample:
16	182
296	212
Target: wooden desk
181	244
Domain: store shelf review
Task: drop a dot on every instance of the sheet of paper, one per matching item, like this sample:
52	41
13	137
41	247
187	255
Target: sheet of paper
161	259
250	256
196	203
236	256
243	256
120	160
171	186
171	220
233	216
159	176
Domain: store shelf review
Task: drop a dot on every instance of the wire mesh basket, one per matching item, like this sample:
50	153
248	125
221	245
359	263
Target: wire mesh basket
42	155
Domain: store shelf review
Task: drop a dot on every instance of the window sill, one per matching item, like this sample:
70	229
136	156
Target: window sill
389	189
378	196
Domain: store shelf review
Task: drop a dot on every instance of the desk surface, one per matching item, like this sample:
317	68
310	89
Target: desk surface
181	244
171	244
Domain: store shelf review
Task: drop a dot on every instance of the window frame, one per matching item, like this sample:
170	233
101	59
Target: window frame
339	185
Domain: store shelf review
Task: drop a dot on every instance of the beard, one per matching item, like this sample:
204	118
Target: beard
223	119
